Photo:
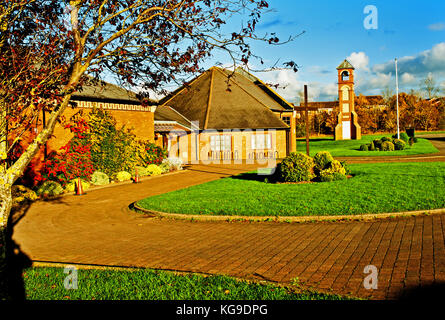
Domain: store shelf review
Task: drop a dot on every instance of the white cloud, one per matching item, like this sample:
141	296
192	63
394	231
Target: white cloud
408	78
437	26
359	60
432	60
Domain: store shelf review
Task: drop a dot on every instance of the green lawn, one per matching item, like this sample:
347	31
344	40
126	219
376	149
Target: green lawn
375	188
351	148
428	132
144	284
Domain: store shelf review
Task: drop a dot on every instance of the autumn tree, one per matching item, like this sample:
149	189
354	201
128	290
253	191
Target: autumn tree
430	87
48	47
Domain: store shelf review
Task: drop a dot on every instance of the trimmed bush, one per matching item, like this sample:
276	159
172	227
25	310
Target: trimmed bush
385	139
377	144
99	178
345	165
336	171
371	146
154	170
364	147
50	188
329	177
323	160
142	171
71	186
123	176
403	136
297	167
399	144
165	167
387	146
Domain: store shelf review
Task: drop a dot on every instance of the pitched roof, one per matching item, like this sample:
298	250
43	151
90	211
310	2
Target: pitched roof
220	99
166	114
345	65
104	91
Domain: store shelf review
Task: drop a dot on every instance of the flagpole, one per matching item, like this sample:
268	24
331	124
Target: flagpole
397	95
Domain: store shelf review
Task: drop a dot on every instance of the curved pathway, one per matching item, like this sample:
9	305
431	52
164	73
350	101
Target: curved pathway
98	228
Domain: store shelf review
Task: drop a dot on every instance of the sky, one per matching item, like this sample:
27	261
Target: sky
370	38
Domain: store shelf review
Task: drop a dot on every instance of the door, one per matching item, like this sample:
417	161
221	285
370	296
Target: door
346	130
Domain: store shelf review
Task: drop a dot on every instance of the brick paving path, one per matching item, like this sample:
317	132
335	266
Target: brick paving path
99	229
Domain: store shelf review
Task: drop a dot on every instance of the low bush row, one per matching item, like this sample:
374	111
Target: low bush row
50	188
389	143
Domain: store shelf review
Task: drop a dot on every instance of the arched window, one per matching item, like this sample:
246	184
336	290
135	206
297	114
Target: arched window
345	76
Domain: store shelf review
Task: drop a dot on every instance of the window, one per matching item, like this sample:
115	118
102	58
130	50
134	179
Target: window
221	143
261	141
345	91
345	76
286	120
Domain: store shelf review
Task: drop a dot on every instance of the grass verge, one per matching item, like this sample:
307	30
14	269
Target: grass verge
375	188
47	283
351	148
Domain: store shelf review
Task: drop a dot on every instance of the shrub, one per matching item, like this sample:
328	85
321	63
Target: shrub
21	194
329	177
142	171
413	140
364	147
72	185
403	136
322	160
385	139
346	167
50	188
377	144
387	146
117	149
336	171
173	163
99	178
165	167
123	176
74	159
371	146
154	170
399	144
154	154
297	167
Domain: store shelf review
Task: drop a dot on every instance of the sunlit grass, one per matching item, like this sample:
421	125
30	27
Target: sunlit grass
43	283
374	188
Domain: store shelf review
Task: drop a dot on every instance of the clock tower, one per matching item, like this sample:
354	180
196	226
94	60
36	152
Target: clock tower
347	127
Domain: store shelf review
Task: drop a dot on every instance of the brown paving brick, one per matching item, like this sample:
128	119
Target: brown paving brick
99	229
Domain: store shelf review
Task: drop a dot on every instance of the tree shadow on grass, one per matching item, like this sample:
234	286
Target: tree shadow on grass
12	286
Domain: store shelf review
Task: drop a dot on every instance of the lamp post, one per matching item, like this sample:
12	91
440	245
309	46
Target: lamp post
397	97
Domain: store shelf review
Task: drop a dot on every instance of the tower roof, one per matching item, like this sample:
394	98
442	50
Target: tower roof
345	65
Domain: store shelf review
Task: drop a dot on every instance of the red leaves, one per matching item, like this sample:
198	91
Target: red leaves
73	159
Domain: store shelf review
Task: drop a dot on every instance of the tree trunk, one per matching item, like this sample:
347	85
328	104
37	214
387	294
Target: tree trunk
5	209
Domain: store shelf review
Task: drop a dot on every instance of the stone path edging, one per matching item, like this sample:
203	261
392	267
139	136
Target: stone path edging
287	219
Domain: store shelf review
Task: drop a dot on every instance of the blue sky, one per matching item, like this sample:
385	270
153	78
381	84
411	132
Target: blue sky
412	31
